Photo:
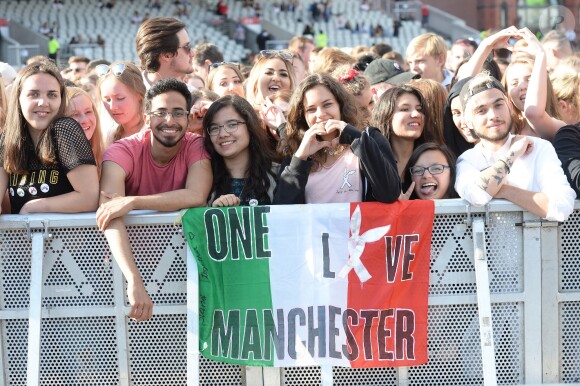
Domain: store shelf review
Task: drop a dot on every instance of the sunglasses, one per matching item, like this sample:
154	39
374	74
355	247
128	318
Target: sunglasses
216	65
282	54
103	69
186	47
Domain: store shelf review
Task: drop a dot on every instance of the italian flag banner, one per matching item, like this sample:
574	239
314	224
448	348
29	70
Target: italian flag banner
328	284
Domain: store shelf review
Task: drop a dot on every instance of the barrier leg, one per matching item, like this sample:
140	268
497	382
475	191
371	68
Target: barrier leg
35	310
192	321
326	375
484	304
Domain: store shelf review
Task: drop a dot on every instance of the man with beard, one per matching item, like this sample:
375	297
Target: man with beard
524	170
164	50
165	168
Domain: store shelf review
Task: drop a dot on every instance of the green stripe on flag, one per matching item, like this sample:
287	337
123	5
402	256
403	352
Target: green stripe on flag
239	279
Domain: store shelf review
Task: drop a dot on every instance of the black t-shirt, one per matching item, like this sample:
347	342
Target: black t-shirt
567	145
71	149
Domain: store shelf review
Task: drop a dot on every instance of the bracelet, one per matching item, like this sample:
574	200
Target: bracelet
507	168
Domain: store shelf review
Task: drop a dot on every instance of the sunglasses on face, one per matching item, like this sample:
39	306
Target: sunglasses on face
186	47
103	69
282	54
433	169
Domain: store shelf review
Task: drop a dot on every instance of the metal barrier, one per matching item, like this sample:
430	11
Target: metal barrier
63	310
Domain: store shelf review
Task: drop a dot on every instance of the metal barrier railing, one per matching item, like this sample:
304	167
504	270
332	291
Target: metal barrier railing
63	305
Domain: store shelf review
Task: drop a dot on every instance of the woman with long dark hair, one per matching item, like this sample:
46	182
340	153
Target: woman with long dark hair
242	162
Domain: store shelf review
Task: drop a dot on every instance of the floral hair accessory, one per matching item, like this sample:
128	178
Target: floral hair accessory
350	75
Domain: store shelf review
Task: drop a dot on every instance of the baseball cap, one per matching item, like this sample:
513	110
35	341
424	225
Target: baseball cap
470	89
386	70
8	73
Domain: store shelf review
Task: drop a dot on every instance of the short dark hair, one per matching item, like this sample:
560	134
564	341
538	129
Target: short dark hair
164	86
207	51
155	36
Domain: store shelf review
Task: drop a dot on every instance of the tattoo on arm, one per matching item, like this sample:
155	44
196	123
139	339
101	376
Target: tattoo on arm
498	179
484	183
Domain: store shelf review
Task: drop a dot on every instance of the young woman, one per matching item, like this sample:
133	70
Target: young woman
243	171
359	87
82	109
457	135
401	115
46	160
566	88
435	95
225	79
327	158
122	94
273	71
430	173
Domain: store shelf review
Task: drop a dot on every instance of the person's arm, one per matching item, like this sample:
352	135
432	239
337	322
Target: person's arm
475	64
534	202
113	181
377	161
537	95
84	197
292	181
197	189
567	146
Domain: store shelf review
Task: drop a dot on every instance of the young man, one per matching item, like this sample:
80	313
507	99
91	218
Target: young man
164	50
164	168
426	55
524	170
204	55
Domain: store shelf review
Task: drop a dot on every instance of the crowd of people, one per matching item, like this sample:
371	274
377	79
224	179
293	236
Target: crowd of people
184	128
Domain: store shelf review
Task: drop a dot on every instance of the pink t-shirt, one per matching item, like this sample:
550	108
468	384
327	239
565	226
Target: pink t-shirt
339	182
142	175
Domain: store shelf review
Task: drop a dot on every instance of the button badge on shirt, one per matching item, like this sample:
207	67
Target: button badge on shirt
44	188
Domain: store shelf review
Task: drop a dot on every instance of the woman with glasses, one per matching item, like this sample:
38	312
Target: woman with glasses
46	161
327	158
430	173
122	92
82	109
225	79
242	163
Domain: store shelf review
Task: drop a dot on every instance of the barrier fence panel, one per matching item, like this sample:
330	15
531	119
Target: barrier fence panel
86	339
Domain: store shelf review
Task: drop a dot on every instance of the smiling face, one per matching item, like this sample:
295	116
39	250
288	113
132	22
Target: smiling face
122	103
490	116
230	145
167	131
408	118
432	186
80	108
273	77
40	101
457	114
227	82
517	79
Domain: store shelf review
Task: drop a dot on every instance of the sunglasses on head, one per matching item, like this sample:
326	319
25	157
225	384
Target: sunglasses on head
216	65
282	54
103	69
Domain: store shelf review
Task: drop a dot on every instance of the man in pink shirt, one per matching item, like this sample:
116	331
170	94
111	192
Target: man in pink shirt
164	168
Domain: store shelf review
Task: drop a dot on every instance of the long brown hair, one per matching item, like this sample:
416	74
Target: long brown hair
296	124
17	139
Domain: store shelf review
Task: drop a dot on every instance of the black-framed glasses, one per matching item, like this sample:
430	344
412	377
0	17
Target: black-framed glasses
433	169
186	47
219	64
163	114
282	54
117	69
229	127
